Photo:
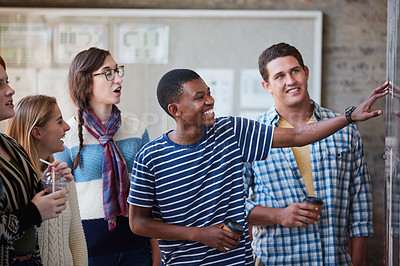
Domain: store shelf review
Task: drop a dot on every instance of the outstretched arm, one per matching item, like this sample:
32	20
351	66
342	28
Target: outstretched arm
300	136
141	223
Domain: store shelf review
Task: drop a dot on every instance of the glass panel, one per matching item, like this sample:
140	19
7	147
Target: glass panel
392	165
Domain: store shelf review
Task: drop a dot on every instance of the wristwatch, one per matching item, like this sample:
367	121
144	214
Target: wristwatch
348	112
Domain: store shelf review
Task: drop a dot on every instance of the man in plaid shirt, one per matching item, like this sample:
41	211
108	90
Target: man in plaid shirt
333	169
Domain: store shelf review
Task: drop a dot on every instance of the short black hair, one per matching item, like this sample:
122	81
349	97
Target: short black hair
170	86
275	51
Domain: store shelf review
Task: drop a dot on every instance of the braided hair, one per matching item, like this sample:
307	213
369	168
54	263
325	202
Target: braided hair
80	81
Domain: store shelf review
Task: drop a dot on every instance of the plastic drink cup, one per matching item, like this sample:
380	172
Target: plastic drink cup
49	186
234	227
317	202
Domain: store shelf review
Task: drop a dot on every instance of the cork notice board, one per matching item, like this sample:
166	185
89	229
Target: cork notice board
221	45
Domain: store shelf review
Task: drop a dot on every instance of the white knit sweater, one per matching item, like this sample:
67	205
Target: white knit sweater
62	240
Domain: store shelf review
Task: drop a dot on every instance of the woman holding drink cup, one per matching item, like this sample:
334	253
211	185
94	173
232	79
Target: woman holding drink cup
38	126
22	205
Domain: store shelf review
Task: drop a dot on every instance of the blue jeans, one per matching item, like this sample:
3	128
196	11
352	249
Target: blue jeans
137	257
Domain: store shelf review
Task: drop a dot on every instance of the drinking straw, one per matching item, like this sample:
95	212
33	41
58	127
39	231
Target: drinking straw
53	173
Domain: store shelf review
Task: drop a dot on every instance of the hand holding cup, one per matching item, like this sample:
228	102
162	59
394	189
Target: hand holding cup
317	202
51	205
53	181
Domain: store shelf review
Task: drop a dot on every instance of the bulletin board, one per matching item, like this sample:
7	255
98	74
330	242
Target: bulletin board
221	45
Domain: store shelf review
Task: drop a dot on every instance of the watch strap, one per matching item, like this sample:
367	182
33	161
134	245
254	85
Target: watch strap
348	112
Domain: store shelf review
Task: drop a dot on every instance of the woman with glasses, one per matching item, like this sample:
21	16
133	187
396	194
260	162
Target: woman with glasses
100	148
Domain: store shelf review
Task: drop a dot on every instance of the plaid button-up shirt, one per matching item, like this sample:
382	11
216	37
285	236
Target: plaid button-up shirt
341	179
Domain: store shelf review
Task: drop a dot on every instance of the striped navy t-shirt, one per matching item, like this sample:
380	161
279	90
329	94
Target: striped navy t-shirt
200	185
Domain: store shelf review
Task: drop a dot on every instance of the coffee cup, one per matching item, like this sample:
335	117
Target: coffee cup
317	202
234	227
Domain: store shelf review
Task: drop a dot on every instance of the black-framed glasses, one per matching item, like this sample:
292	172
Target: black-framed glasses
110	73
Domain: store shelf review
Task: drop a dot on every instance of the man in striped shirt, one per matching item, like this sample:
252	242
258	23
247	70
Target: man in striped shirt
333	169
187	182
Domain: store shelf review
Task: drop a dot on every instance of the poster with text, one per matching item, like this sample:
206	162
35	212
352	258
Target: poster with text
70	39
25	44
141	43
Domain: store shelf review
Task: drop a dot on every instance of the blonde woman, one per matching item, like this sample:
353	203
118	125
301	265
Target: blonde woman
22	205
39	127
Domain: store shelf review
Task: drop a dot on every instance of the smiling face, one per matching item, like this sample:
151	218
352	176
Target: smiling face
6	93
287	82
105	92
51	133
196	105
